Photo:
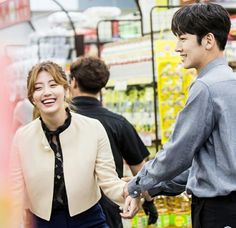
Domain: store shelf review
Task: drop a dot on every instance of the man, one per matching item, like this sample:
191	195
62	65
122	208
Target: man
88	76
204	137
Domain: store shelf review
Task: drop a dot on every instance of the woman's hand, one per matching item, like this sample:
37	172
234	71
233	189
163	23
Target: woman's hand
131	207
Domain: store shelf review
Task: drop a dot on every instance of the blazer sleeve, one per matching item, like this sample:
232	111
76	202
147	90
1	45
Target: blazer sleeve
105	170
17	186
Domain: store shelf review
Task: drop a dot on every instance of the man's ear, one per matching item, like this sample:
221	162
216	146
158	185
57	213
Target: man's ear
209	41
73	83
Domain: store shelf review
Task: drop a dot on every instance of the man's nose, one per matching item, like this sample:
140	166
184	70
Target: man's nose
178	47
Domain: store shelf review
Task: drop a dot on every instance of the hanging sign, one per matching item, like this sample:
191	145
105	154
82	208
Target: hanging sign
13	12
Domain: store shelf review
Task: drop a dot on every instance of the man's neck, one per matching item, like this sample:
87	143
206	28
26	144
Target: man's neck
83	94
215	55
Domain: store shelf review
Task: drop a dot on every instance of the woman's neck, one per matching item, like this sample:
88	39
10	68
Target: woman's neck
54	121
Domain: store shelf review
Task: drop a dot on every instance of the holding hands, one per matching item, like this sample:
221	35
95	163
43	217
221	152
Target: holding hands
131	206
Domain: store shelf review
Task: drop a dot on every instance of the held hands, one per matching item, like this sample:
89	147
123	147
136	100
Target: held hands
131	206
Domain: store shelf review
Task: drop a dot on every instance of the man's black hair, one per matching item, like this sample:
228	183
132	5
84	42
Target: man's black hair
200	19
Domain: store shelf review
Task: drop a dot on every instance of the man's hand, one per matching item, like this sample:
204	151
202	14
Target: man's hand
150	210
131	207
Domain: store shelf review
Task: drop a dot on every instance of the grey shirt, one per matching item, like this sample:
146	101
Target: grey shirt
204	138
172	187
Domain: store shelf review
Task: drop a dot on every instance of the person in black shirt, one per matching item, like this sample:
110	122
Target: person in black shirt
88	75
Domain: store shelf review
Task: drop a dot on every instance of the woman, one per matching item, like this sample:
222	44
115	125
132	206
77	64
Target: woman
61	159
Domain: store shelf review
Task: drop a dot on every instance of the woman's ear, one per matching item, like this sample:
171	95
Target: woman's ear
67	92
33	102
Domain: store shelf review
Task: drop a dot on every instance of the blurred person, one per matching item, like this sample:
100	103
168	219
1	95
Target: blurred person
204	137
61	160
6	133
23	113
88	75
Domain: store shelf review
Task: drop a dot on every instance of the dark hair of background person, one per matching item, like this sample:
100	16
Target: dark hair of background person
201	19
90	73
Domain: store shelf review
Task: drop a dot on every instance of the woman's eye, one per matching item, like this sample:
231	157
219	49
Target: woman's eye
53	85
37	88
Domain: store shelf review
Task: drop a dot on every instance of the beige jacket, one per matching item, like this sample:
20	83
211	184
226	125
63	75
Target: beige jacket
88	165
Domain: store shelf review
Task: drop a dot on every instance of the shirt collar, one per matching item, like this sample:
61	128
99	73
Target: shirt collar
60	128
211	65
80	101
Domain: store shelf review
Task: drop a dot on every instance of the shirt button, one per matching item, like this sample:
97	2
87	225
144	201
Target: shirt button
135	192
47	148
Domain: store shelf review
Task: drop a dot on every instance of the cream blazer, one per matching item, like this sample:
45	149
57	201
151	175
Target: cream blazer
88	165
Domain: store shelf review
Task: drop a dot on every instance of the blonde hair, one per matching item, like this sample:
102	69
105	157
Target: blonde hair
58	75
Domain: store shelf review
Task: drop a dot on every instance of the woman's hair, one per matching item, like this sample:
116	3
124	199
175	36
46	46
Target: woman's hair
58	75
200	19
90	73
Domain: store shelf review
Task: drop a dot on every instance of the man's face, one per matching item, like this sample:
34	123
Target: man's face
192	53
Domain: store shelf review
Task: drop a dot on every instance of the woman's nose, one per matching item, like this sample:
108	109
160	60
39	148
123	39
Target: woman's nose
47	90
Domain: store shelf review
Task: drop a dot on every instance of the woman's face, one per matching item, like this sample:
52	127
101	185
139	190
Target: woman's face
48	96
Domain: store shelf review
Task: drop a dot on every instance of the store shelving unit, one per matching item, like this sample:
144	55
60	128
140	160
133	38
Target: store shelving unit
115	33
129	90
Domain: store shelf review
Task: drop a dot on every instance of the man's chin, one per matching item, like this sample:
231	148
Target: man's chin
186	66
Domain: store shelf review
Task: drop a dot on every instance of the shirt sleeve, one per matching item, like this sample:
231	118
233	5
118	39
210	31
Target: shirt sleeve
131	146
193	126
170	188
